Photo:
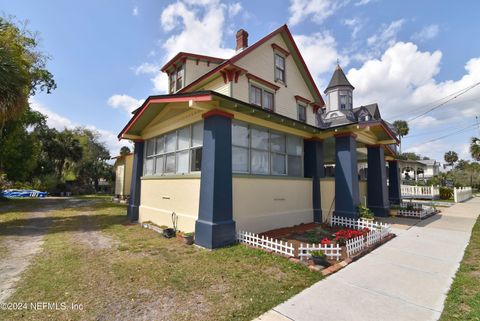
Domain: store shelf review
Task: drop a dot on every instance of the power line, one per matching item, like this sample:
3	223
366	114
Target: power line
430	132
447	135
445	102
457	93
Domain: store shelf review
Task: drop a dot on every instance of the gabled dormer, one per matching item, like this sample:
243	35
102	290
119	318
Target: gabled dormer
186	67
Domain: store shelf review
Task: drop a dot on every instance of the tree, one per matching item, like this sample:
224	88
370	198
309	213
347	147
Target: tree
450	157
22	70
401	127
409	156
461	165
125	150
475	148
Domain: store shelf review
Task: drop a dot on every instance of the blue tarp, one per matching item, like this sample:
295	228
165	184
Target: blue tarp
10	193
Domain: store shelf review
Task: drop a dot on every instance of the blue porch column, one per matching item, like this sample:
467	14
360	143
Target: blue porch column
313	164
137	170
377	195
215	226
346	176
394	182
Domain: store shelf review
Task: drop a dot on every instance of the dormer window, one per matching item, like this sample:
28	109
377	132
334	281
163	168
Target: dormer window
176	79
279	68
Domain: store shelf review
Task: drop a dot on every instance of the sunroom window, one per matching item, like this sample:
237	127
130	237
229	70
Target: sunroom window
260	151
177	152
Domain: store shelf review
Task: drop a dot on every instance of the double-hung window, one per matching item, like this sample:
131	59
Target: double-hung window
345	99
261	97
177	152
279	68
302	113
260	151
176	79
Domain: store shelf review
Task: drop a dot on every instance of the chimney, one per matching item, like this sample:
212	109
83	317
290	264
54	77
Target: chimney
242	40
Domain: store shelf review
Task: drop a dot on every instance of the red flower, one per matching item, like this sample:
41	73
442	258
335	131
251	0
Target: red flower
326	241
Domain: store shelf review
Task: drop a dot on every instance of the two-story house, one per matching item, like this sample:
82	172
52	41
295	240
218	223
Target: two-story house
241	143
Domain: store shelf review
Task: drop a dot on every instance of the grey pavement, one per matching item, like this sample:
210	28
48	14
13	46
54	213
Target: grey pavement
406	279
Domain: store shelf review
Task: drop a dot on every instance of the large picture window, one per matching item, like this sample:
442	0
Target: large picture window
177	152
257	150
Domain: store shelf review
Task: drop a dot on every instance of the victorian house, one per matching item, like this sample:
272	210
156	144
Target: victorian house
243	143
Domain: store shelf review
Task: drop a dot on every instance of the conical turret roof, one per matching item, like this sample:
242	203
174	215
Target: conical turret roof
338	79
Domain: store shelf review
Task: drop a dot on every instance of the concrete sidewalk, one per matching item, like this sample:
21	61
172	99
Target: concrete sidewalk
405	279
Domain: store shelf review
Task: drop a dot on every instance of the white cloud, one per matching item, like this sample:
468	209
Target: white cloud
59	122
363	2
146	68
125	102
319	45
234	9
317	10
386	37
403	82
355	24
427	33
135	11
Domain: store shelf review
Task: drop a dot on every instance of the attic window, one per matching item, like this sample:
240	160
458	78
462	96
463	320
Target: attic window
345	99
279	68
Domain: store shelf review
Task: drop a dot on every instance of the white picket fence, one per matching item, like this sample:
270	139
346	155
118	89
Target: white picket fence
359	243
266	243
430	192
462	194
416	210
333	252
358	224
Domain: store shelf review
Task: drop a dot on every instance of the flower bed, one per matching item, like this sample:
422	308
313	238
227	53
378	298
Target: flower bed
417	210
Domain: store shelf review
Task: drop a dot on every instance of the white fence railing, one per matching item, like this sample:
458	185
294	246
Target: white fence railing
420	191
359	243
333	252
417	210
355	245
266	243
358	224
462	194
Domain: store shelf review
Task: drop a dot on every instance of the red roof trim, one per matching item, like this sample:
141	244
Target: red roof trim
146	104
280	49
234	58
216	112
186	55
252	47
302	99
262	81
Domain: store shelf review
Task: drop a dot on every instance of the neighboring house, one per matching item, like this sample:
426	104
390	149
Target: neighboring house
241	143
432	168
123	175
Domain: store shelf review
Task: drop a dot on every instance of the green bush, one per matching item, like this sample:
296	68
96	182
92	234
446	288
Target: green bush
446	193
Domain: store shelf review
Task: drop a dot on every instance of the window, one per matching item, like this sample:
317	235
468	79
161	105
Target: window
261	97
268	100
279	68
345	99
176	79
179	152
257	150
302	113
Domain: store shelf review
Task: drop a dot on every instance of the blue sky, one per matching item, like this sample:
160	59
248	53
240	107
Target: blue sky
106	55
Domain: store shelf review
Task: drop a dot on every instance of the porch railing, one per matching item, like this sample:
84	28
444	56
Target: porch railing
429	192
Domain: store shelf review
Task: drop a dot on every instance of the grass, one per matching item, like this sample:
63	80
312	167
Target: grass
145	276
463	300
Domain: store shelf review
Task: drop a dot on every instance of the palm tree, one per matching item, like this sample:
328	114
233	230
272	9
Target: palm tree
475	148
401	127
450	157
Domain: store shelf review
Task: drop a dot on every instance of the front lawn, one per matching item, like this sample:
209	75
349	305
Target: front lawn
463	300
120	271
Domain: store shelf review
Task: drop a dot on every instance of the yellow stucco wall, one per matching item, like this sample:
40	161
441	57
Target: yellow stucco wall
162	196
327	191
261	204
260	62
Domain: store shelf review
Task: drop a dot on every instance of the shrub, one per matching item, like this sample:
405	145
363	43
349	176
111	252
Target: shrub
317	253
365	212
446	193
